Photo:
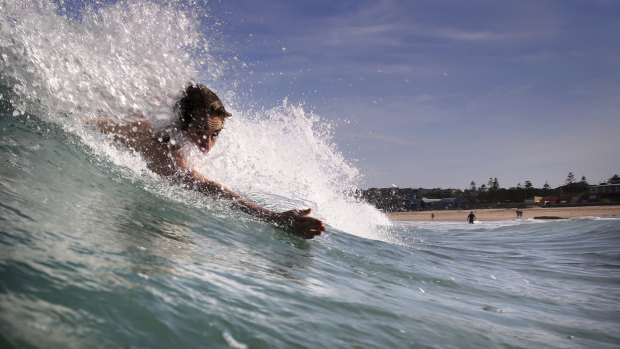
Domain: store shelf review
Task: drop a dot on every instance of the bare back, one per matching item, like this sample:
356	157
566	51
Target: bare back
159	148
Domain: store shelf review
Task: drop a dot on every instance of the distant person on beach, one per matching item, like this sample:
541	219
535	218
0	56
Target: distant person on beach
519	214
199	120
471	218
433	216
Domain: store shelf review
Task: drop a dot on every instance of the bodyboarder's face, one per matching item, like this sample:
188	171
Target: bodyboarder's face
203	138
204	130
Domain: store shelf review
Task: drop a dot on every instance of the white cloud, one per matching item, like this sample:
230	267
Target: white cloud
381	138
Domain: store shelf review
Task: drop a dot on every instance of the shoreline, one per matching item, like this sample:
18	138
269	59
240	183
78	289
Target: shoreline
503	214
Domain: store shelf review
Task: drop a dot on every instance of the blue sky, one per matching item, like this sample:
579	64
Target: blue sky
440	93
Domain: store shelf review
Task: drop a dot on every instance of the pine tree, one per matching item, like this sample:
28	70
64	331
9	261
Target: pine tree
570	179
495	184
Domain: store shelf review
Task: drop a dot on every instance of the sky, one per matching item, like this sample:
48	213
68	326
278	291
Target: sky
441	93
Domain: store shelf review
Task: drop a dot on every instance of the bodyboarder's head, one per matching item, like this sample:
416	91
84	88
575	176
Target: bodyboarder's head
201	115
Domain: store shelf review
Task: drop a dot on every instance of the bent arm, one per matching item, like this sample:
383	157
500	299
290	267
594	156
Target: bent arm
199	182
295	221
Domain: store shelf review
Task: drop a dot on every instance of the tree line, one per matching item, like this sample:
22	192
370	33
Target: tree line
492	192
489	194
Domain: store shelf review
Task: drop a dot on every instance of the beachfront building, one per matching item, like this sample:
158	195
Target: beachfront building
546	200
444	204
605	192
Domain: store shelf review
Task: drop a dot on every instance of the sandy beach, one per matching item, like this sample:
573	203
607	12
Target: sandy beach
508	213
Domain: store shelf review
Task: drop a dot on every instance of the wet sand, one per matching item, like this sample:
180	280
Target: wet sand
502	214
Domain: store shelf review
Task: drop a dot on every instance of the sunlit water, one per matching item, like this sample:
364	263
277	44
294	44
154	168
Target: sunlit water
96	251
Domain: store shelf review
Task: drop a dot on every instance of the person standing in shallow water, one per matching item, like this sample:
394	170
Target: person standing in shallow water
200	119
471	217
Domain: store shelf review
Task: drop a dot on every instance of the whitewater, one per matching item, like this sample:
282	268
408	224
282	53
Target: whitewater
97	251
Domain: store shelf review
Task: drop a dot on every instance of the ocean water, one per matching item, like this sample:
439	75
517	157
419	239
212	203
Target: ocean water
96	251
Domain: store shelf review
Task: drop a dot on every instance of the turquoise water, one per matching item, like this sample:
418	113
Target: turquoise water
96	251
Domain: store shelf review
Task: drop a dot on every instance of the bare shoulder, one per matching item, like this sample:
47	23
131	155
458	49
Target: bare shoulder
133	134
110	125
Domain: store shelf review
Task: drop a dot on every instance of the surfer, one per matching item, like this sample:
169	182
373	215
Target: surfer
471	217
200	117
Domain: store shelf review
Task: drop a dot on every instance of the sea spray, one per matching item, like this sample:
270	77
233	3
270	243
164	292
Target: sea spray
288	154
129	61
123	56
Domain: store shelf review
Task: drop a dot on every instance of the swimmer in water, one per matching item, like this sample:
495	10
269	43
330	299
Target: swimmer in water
201	117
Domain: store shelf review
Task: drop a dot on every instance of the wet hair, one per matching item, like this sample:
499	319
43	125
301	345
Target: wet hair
198	102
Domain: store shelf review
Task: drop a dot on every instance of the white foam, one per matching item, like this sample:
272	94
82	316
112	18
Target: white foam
285	157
